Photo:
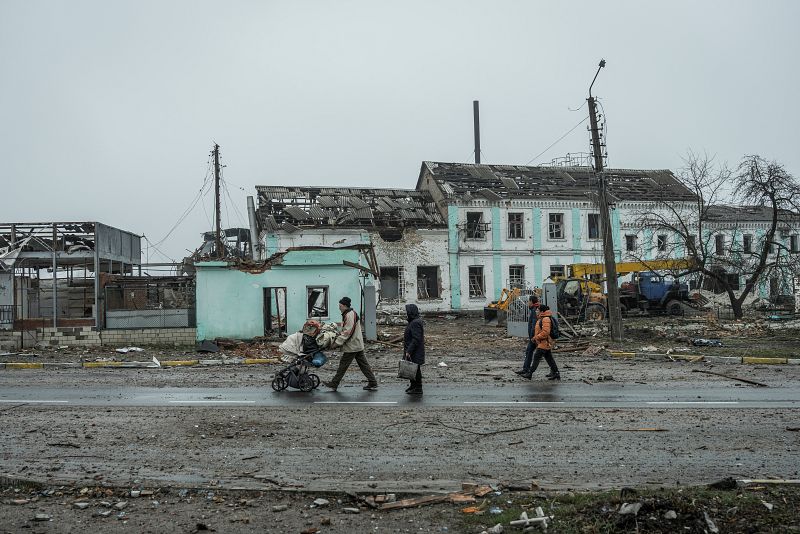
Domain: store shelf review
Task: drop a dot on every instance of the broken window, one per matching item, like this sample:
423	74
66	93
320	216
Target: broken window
476	228
428	282
747	243
771	248
516	276
661	243
719	244
392	282
691	244
515	226
317	301
556	226
476	287
557	271
594	226
794	246
630	242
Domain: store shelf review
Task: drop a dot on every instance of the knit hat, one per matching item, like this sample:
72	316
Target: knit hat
345	301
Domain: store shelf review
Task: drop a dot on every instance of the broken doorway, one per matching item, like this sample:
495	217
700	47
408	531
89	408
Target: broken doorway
391	283
274	311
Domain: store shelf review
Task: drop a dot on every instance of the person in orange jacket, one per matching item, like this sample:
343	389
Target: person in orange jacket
544	344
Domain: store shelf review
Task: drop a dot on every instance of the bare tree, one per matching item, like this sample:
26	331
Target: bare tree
703	225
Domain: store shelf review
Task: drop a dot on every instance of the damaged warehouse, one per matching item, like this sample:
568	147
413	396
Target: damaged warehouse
52	272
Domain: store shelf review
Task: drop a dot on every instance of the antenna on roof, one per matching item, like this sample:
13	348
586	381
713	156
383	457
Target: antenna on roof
476	120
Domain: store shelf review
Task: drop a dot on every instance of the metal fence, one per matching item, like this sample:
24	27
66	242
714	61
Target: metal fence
150	303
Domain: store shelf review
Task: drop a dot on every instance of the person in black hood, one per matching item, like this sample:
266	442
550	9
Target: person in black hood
414	346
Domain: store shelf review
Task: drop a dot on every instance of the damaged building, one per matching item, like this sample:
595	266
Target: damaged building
467	230
405	228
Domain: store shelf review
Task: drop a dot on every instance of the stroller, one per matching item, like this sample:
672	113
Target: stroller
296	375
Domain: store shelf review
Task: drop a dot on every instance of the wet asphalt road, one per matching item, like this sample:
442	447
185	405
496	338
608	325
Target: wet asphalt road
536	395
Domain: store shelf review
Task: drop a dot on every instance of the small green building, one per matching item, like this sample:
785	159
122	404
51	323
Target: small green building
244	301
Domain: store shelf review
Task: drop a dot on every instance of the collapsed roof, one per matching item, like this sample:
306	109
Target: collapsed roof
723	213
467	181
292	208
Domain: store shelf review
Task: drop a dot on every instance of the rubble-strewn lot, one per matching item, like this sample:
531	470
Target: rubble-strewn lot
324	450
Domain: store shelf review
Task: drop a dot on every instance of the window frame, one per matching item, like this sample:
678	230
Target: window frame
326	293
479	231
661	242
557	266
747	243
561	226
511	278
482	282
631	242
589	218
520	225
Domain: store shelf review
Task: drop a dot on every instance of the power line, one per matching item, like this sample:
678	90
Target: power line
235	208
557	141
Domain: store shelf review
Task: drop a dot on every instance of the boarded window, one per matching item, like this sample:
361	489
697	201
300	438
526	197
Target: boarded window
556	226
476	228
515	226
630	243
392	282
719	244
317	301
428	282
516	276
594	226
747	244
476	287
557	271
661	243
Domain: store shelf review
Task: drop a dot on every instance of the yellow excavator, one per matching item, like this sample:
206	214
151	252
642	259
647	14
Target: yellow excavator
494	312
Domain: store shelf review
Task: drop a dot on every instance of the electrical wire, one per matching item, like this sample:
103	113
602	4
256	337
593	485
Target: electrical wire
235	208
154	247
557	140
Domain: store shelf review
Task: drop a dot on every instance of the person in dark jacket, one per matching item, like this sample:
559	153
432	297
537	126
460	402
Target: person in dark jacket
533	314
414	346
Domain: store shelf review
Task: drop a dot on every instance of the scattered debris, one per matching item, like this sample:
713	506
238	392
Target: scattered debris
280	508
497	529
41	517
702	342
125	350
724	484
81	505
208	346
630	508
746	381
321	502
710	523
670	514
351	510
769	506
442	364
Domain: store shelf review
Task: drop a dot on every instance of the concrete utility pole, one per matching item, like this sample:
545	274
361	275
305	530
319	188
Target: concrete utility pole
218	240
612	289
476	123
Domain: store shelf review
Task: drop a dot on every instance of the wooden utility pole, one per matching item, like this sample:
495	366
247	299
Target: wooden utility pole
218	241
612	290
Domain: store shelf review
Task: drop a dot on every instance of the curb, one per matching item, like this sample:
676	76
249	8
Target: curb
135	365
753	360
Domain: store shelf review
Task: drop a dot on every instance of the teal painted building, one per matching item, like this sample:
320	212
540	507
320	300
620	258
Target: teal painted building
296	285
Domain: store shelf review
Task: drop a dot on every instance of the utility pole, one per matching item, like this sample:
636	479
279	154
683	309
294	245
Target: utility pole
218	240
476	126
614	312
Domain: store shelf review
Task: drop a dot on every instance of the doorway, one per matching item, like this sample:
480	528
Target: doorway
274	311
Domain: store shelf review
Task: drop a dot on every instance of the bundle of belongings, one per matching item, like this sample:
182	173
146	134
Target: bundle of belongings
310	341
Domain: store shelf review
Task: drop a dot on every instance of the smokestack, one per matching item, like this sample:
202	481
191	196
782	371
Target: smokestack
254	237
476	118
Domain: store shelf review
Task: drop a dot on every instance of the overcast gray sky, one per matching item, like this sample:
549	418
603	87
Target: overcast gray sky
108	110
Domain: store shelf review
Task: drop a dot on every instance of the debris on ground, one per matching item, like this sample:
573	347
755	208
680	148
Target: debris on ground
207	346
125	350
702	342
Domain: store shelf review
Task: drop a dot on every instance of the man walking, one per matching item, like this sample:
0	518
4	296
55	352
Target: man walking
533	313
544	344
351	342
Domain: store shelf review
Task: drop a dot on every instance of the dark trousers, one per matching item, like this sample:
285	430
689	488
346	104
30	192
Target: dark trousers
526	365
416	382
548	357
363	364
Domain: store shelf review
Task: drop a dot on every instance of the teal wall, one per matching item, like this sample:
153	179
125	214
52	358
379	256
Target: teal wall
230	303
648	245
452	248
576	235
271	245
536	218
497	247
616	234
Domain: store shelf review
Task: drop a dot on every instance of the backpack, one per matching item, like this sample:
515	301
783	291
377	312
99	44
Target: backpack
554	331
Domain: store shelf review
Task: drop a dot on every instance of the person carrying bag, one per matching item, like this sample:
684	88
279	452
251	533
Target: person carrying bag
413	351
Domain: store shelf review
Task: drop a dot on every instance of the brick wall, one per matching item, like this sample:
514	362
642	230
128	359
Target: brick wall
149	336
72	336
